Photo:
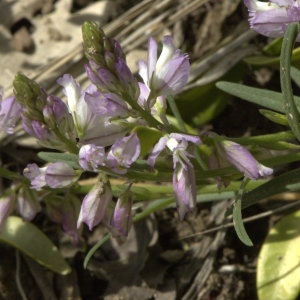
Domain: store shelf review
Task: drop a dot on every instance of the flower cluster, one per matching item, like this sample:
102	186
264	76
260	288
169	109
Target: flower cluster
99	126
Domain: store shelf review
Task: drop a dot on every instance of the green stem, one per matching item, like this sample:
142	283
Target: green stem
176	113
290	107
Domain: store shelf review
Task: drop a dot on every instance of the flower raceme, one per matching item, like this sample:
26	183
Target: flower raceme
272	18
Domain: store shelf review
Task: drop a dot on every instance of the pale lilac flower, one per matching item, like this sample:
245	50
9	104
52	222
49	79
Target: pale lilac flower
91	157
7	204
57	117
37	129
166	74
59	175
158	105
184	183
94	205
10	113
123	153
36	176
56	175
27	204
243	160
121	219
92	127
272	18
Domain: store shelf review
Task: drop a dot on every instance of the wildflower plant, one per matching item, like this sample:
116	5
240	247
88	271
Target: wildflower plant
125	132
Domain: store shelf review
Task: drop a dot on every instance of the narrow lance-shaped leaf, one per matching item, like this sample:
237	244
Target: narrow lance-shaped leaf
27	238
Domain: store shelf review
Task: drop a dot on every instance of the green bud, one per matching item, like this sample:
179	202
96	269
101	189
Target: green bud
30	95
93	42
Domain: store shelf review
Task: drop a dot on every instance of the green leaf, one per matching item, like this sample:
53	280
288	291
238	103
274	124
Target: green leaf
238	219
274	47
27	238
275	117
285	182
262	60
70	159
269	99
278	269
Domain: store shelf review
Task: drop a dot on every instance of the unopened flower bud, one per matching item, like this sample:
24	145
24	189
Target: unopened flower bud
243	160
27	204
10	112
94	205
121	219
30	95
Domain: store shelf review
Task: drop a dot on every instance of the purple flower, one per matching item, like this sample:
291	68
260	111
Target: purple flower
184	183
57	116
94	205
167	74
92	125
59	175
107	105
91	157
37	129
10	112
27	204
56	175
123	153
36	176
272	18
121	219
243	160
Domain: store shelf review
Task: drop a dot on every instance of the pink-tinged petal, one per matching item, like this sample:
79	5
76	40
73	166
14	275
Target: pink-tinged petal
121	219
167	74
36	176
123	153
243	160
27	204
109	105
271	18
173	76
71	90
91	157
144	94
59	175
36	129
158	148
143	70
94	205
152	57
10	114
184	185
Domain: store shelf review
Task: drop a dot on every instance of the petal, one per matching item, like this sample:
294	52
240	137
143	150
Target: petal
60	174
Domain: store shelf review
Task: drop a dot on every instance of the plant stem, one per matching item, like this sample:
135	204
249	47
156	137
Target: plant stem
290	107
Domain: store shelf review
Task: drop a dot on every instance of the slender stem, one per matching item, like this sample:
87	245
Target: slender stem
176	113
290	107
